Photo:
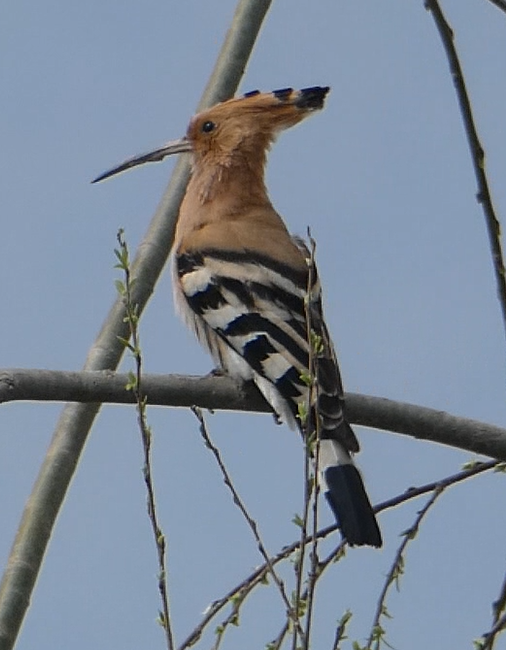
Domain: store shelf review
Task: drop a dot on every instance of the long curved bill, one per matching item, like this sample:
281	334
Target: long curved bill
175	146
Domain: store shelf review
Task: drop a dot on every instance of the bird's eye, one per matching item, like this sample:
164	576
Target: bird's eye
208	126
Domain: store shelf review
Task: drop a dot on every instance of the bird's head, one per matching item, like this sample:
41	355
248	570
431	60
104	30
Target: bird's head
240	129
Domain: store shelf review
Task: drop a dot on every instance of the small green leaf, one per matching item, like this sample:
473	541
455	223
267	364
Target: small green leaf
316	342
131	381
377	633
120	287
302	412
471	464
236	599
306	378
345	618
126	343
297	520
122	256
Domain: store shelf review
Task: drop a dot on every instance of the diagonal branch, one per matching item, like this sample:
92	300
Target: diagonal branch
477	152
77	419
223	393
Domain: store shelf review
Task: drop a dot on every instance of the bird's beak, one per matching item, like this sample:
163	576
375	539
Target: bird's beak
175	146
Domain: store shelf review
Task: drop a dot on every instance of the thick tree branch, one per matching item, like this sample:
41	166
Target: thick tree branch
222	393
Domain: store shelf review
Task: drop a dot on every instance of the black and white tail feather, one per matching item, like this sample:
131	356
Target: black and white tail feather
249	311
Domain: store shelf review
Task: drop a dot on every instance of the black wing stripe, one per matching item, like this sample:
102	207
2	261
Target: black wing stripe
240	289
290	385
188	262
253	322
328	377
203	301
253	294
241	258
282	298
257	351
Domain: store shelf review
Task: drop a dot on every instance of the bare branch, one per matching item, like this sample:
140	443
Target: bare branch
223	393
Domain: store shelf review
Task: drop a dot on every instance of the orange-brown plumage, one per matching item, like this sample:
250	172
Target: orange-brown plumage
241	282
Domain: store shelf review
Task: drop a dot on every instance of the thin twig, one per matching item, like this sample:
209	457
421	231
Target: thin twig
499	606
135	385
276	643
396	570
488	639
243	589
341	629
308	416
232	619
314	349
477	152
249	519
331	558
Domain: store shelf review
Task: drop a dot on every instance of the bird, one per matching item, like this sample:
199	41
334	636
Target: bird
248	289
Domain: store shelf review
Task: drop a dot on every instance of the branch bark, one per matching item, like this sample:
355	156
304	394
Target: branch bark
222	393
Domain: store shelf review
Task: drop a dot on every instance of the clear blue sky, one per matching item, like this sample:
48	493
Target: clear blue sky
384	179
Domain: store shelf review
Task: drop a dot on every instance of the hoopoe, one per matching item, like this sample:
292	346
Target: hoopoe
241	283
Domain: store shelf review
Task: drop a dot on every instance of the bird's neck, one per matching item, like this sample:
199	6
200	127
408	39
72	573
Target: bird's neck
236	176
221	205
230	188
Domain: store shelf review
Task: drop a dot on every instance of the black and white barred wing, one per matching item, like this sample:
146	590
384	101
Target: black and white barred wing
249	311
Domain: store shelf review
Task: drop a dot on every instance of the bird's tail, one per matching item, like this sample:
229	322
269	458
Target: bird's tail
346	495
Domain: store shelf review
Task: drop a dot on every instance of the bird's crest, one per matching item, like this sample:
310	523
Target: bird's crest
256	115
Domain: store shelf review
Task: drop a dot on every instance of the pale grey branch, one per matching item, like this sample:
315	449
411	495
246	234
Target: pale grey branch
221	393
